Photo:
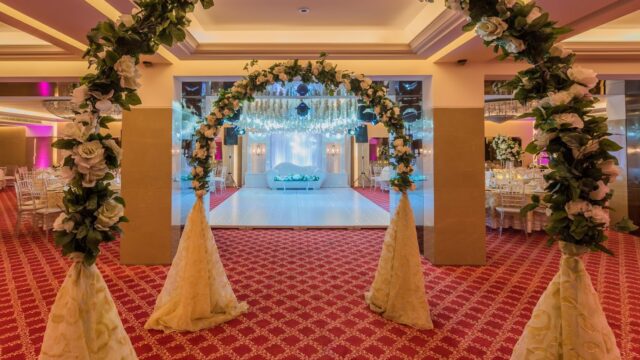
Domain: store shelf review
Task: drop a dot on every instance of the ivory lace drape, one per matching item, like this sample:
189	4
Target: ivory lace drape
196	293
397	292
84	322
568	321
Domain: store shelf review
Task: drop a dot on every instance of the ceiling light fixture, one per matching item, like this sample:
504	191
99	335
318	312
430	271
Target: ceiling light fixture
304	10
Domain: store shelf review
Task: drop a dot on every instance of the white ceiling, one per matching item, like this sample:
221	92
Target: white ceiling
12	36
624	29
329	21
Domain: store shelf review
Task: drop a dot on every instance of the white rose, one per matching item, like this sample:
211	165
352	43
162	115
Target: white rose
572	119
600	215
586	77
108	215
364	85
328	66
63	223
283	77
610	168
559	51
560	98
458	6
111	144
576	207
199	171
89	160
491	28
514	45
195	184
315	69
105	106
600	192
126	19
533	15
542	137
510	3
128	71
398	143
80	94
75	131
578	91
210	133
339	75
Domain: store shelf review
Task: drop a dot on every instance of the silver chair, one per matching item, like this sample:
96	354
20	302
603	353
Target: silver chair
510	204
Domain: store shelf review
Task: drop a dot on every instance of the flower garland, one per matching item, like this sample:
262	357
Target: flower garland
581	165
321	71
93	211
506	148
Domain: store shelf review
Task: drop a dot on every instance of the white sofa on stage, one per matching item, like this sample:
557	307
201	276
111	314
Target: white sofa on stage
290	176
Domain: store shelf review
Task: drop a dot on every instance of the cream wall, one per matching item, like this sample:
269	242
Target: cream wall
515	128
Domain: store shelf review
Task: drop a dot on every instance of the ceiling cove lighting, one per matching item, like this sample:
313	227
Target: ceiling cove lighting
40	26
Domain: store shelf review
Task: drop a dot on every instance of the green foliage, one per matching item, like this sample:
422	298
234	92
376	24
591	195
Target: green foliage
574	139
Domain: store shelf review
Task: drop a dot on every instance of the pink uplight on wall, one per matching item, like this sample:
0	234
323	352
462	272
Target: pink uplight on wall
43	153
45	88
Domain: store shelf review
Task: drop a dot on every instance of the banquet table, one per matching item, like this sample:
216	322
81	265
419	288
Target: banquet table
536	221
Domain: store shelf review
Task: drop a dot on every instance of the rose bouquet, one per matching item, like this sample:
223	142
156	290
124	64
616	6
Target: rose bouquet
506	148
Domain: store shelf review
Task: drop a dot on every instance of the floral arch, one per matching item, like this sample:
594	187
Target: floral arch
372	94
577	141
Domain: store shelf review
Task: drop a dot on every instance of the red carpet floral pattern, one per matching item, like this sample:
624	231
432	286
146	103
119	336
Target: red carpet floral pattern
304	289
217	198
378	197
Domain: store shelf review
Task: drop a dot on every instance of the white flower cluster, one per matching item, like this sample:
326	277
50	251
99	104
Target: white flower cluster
107	215
506	148
597	214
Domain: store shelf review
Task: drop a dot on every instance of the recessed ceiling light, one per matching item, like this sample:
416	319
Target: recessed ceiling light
304	10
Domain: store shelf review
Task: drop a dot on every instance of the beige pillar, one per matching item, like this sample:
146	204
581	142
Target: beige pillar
457	236
146	186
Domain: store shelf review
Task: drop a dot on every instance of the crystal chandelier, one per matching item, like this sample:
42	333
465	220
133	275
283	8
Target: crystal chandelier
64	109
503	110
299	107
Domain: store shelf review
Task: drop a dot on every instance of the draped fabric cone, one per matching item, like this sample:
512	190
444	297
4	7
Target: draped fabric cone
397	292
84	322
196	294
568	321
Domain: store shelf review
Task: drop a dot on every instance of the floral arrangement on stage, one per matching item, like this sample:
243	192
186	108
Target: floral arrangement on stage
576	141
506	148
321	71
93	211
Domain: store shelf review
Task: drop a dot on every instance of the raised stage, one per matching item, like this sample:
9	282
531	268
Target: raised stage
323	208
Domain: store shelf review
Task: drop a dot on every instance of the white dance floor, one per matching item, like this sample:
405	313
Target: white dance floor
324	208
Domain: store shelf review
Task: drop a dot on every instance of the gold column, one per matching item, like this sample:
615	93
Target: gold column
458	234
146	186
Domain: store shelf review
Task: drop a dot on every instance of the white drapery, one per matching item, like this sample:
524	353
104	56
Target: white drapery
196	294
397	292
568	322
84	322
301	149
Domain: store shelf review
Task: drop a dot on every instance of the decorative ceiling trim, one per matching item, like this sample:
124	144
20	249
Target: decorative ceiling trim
302	51
40	30
34	52
608	50
444	29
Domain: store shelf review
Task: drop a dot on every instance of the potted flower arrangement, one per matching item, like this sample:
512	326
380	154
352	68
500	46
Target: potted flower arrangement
508	151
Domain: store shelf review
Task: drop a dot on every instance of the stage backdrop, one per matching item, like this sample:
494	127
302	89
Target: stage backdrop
298	148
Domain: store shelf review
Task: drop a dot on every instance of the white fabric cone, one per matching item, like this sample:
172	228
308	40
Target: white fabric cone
196	294
84	322
568	321
397	292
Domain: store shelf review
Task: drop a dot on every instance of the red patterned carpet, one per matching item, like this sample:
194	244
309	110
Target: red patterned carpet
219	197
379	197
305	291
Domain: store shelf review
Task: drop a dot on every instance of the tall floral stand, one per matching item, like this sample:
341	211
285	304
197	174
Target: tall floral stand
84	322
196	294
397	292
568	321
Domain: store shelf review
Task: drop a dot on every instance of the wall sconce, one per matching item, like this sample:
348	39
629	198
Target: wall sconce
258	149
333	150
